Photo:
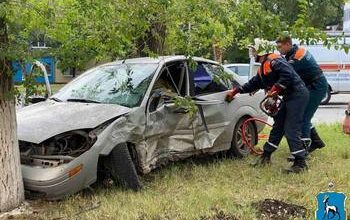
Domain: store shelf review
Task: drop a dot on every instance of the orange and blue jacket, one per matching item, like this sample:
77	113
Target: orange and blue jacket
275	70
304	64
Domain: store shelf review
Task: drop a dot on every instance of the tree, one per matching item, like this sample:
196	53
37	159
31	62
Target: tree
11	184
320	12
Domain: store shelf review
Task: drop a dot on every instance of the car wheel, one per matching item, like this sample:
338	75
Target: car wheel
238	148
327	97
122	168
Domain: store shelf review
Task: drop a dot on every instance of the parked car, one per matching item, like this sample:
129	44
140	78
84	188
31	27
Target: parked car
118	119
242	70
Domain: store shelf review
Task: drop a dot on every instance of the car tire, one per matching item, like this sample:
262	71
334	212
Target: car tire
238	148
122	168
327	97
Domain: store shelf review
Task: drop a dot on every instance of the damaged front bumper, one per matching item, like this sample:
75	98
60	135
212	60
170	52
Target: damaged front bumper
51	183
55	183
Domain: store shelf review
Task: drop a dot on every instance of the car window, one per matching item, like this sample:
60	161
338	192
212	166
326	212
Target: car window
172	81
206	79
173	77
122	84
243	70
233	69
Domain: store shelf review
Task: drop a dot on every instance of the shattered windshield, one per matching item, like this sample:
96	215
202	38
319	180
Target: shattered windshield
122	84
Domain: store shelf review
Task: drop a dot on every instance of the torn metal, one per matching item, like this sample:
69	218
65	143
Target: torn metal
61	142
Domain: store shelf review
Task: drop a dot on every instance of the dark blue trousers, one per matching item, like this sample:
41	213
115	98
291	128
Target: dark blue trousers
289	121
317	91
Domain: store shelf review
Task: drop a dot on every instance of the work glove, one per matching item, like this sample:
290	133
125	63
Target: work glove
274	91
231	94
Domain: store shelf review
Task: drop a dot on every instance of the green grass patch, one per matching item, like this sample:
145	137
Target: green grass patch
197	190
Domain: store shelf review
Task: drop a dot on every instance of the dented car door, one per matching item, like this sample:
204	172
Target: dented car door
169	129
209	96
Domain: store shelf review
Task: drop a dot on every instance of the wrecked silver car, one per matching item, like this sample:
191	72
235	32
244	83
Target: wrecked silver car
121	118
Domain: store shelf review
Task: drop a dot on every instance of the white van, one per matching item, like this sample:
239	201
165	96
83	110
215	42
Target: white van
334	63
336	67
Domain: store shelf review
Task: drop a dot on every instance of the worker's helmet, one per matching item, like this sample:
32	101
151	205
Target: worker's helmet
262	47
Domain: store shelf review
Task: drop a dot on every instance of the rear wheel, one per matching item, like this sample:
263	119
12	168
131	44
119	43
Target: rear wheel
238	148
327	97
122	168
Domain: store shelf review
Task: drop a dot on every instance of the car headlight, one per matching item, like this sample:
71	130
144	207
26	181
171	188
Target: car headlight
59	149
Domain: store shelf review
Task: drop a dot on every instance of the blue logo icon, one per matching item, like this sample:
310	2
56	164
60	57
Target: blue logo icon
331	206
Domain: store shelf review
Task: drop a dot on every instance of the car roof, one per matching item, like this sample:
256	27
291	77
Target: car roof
160	59
236	64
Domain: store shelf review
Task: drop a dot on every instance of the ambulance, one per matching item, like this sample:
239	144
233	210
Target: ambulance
335	64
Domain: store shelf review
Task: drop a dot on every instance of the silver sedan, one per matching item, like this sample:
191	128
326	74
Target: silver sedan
126	118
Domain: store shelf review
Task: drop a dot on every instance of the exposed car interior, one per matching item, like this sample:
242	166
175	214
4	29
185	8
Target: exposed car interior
171	82
204	82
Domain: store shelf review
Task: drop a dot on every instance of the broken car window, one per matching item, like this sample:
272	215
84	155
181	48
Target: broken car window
170	83
122	84
204	82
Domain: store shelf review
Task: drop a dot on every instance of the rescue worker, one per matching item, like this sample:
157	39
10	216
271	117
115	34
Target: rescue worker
278	77
310	72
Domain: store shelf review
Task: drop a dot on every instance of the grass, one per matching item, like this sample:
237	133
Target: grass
194	189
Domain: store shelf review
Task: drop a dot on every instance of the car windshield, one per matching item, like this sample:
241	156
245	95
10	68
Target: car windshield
122	84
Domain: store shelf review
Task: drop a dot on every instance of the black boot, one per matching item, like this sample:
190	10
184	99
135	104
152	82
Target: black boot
306	146
298	166
263	160
316	141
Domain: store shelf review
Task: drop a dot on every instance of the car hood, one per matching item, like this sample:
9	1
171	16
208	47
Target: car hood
43	120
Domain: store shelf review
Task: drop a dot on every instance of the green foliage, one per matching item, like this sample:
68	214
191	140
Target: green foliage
252	21
320	13
32	87
192	64
82	33
187	104
220	75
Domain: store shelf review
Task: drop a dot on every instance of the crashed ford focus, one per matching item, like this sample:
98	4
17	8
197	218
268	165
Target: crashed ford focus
120	118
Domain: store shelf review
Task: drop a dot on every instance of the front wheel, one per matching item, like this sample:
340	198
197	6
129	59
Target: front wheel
238	147
122	168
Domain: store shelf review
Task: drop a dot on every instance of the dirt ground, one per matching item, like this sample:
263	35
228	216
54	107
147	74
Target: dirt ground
279	210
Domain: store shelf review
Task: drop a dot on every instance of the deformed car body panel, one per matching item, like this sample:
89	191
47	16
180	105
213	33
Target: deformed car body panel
56	183
165	134
43	120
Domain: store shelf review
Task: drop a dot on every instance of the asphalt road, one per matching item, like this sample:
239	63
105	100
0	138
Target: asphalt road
333	111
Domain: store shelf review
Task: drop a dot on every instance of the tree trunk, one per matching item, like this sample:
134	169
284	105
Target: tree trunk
217	52
153	41
11	183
